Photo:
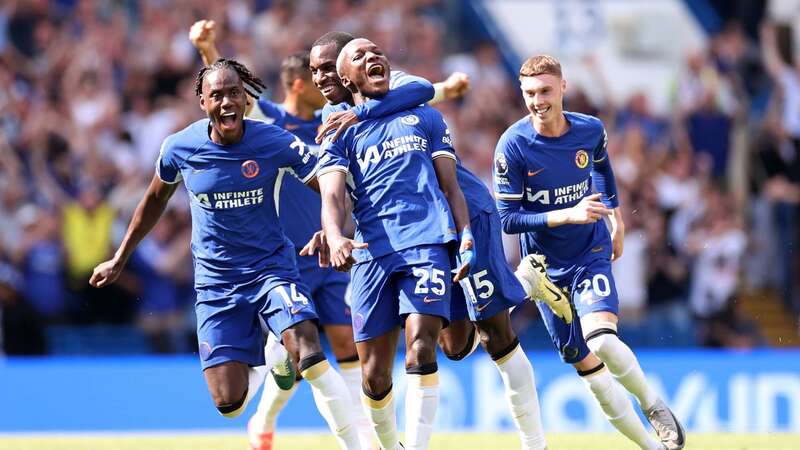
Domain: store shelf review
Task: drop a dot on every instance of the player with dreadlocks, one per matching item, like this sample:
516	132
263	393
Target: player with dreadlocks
246	278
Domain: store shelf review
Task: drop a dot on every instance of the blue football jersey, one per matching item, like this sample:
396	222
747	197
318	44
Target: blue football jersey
416	90
297	206
397	202
538	174
236	235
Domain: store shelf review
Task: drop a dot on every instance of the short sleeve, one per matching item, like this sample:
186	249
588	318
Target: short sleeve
262	111
167	165
329	109
441	140
508	171
333	157
297	156
601	149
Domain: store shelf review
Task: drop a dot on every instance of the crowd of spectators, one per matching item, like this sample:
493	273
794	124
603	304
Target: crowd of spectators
90	88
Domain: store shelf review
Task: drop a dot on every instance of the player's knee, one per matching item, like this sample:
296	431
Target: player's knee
454	353
306	338
421	349
376	382
600	340
496	338
228	404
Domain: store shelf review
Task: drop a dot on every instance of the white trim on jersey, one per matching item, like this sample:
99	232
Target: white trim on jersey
178	176
329	169
503	196
276	192
257	114
442	153
308	177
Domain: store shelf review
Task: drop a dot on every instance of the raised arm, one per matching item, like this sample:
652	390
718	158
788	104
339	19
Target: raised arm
454	86
769	49
204	38
144	219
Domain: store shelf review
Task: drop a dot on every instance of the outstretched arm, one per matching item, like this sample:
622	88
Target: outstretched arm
407	92
144	219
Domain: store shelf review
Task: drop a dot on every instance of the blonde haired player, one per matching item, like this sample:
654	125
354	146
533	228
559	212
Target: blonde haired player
545	167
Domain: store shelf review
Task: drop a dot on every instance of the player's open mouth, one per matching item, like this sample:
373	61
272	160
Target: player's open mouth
376	72
541	111
228	119
326	89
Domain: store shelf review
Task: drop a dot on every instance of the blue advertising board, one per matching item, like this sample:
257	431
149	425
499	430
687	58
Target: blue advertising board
711	391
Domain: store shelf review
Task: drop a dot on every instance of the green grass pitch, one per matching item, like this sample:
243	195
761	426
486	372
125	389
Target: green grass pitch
442	441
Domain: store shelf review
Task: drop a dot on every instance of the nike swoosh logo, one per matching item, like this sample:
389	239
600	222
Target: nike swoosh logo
556	293
597	249
198	170
431	300
482	307
535	172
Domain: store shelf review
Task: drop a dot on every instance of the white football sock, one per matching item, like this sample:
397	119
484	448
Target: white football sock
351	373
333	402
274	351
520	385
381	413
422	400
618	409
624	366
273	399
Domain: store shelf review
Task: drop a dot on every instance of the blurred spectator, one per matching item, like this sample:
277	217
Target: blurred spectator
41	257
163	262
20	329
717	244
780	159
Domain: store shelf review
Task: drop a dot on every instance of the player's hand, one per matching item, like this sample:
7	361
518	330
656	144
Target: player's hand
106	273
341	252
589	210
339	121
203	34
456	85
466	255
318	243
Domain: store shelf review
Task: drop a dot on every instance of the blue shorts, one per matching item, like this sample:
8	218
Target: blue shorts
592	289
388	288
328	291
232	320
491	286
